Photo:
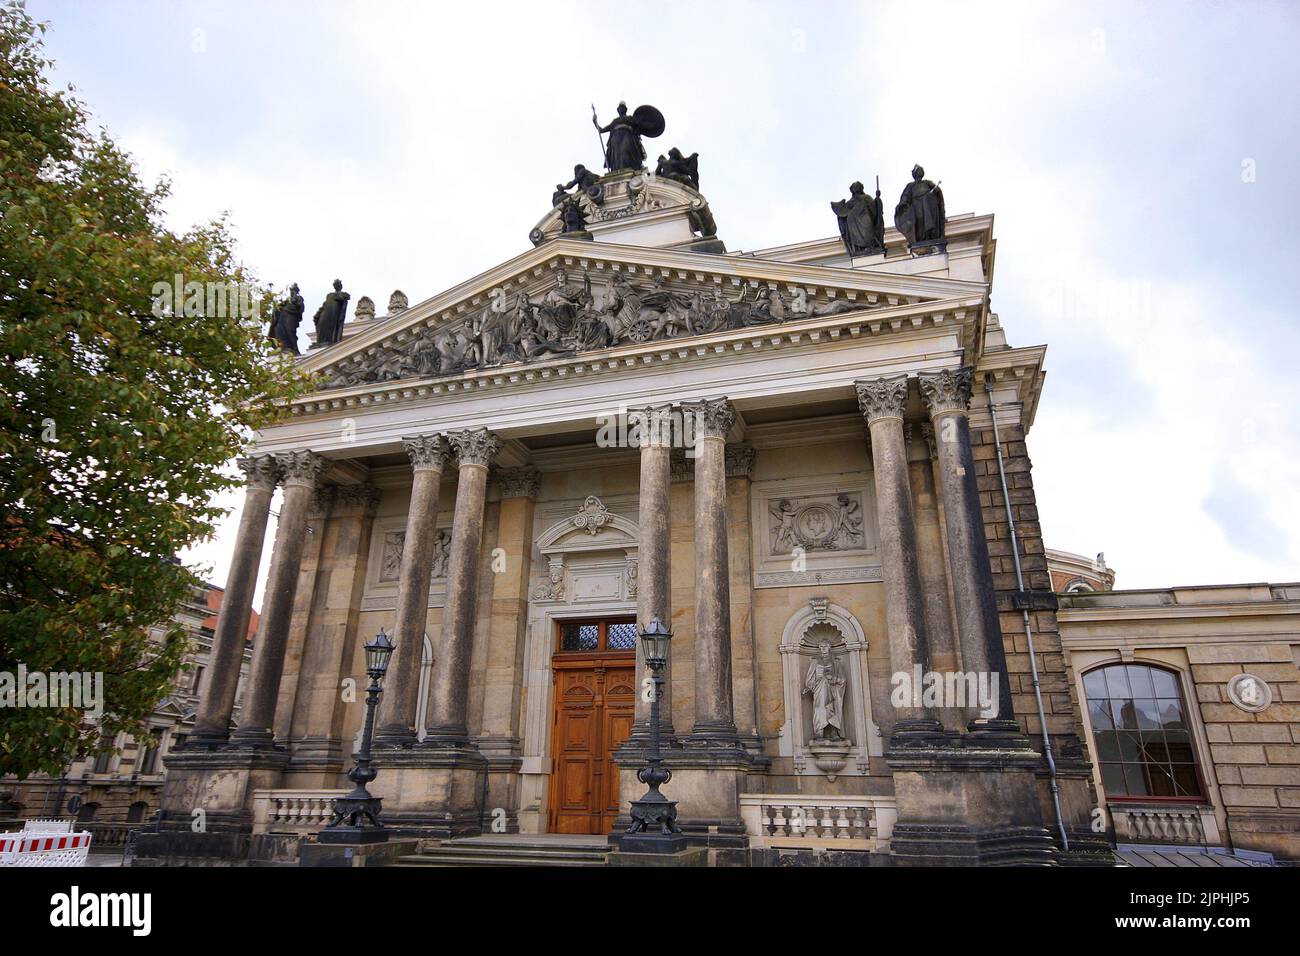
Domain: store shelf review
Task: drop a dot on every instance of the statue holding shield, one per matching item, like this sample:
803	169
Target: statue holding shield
624	149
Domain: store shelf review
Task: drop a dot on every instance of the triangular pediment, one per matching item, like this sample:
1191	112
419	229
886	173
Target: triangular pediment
569	298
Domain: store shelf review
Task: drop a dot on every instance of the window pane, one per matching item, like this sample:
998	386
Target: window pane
1136	780
1147	713
1107	746
1139	679
1130	746
1180	746
1171	714
1099	714
1166	683
1117	682
579	637
1124	714
621	637
1094	684
1185	780
1112	780
1161	780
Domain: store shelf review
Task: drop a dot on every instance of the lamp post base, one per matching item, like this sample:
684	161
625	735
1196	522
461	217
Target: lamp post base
360	835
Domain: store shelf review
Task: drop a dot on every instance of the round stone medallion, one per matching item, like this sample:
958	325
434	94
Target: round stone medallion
1250	693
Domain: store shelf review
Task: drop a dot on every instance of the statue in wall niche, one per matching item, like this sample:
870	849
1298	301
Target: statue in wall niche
862	221
331	315
920	214
286	319
682	169
824	682
624	149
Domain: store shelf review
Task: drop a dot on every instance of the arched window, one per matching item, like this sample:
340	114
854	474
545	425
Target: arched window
1141	737
136	812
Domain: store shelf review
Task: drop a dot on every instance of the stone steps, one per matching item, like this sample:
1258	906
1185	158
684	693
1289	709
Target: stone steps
517	851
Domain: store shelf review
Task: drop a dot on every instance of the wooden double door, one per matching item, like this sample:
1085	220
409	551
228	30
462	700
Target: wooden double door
594	669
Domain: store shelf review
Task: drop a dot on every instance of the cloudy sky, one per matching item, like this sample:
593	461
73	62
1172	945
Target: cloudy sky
1140	159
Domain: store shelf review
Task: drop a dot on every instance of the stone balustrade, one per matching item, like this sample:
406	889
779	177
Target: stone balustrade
292	811
1179	825
794	820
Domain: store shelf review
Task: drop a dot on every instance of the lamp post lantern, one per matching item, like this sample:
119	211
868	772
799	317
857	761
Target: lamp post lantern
654	826
359	808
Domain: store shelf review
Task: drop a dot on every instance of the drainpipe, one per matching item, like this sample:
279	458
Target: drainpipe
1029	631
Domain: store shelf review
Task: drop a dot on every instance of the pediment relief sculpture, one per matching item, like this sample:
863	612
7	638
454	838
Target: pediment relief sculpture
573	316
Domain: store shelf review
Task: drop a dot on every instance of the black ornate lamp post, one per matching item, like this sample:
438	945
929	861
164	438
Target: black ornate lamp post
654	826
359	809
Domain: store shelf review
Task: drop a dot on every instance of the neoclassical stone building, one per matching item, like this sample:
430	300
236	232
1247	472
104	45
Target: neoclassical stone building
786	454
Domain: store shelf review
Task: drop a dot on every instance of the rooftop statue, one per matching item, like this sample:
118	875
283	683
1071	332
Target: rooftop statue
330	316
624	149
862	221
285	320
683	169
920	215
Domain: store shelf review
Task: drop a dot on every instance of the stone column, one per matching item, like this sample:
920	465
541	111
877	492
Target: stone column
212	727
428	454
449	698
947	395
714	714
883	402
654	572
300	470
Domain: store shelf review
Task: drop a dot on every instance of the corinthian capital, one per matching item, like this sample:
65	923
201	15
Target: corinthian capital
300	467
712	417
427	452
260	471
519	482
478	446
654	424
947	390
882	397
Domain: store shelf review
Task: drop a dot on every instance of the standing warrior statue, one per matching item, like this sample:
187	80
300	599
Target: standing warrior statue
862	221
285	321
624	149
330	316
920	214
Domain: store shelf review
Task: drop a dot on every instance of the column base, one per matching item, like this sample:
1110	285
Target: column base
254	738
434	790
971	801
914	733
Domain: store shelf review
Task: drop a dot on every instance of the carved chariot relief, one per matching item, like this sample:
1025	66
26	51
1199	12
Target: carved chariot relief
576	312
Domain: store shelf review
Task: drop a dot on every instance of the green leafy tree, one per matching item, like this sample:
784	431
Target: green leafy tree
117	413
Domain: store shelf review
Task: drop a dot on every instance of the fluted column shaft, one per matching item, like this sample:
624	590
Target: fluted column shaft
449	697
883	402
947	395
714	713
428	454
654	576
212	725
299	470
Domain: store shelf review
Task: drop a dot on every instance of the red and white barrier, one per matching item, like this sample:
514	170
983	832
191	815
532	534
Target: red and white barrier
44	849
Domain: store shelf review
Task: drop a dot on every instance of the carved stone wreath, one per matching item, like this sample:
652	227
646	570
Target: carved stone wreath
592	516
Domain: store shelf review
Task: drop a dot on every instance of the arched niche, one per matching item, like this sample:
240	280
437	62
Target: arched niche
821	621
